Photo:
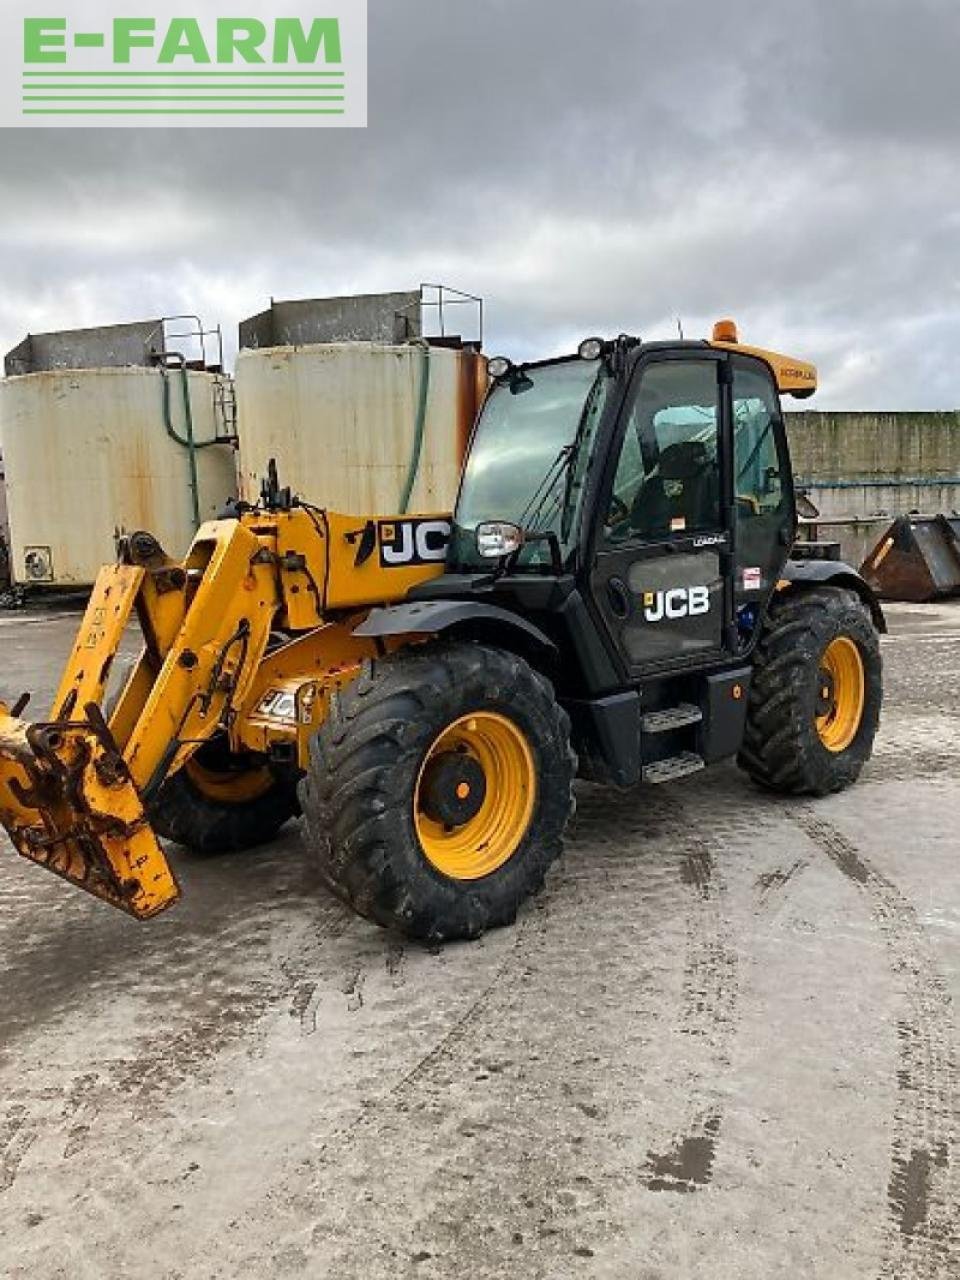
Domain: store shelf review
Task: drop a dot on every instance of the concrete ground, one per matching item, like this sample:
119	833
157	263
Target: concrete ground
722	1043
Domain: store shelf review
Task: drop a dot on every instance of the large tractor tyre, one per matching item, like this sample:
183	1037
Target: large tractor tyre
814	705
438	789
222	803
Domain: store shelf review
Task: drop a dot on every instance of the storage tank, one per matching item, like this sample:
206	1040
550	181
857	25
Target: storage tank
92	451
4	532
344	422
361	413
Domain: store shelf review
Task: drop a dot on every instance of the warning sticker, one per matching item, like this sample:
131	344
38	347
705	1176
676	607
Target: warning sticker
752	579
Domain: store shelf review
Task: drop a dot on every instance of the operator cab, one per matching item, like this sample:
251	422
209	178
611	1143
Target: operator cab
654	476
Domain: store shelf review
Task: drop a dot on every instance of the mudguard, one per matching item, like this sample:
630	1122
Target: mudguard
837	574
432	617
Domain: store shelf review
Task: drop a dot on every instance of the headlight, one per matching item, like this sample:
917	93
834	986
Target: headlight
497	538
498	367
590	349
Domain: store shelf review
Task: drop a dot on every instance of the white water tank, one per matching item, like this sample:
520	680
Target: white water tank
87	453
343	421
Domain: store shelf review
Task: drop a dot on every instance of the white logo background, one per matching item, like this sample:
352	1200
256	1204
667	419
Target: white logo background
262	95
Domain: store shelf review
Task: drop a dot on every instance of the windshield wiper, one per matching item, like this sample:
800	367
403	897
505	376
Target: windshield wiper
533	512
563	467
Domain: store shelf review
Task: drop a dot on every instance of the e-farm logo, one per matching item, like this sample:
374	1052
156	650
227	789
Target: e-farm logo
116	64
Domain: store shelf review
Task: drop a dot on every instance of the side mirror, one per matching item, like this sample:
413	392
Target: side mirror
498	538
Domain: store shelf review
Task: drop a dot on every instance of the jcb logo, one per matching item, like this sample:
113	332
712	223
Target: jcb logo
678	602
411	542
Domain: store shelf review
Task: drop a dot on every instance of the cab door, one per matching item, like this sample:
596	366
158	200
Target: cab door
764	504
662	575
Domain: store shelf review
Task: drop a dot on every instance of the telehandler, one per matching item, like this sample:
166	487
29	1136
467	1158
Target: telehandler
619	593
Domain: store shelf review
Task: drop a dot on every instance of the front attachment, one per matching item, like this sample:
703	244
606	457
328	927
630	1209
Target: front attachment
68	803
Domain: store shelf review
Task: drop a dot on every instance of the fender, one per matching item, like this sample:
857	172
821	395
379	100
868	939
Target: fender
483	621
835	573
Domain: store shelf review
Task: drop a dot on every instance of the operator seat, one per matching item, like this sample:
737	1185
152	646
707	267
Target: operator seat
684	486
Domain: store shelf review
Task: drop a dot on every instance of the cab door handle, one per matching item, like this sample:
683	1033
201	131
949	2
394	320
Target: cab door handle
618	597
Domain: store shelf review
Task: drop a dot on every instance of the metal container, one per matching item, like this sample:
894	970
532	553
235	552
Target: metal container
359	427
87	454
917	559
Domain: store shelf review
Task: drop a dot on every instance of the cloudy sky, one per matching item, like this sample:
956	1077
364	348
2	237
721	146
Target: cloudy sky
598	167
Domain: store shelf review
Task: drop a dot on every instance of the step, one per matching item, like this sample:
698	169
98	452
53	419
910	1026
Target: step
673	767
671	718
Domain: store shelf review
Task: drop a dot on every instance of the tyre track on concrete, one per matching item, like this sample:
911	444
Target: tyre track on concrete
17	1136
531	924
201	1022
432	1057
923	1195
497	1087
708	1010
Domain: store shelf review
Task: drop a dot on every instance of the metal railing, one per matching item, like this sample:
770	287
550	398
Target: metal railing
441	300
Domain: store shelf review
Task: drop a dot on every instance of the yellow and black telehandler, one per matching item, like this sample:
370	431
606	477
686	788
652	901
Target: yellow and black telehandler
619	593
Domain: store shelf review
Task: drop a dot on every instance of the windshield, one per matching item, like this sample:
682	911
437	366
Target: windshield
529	458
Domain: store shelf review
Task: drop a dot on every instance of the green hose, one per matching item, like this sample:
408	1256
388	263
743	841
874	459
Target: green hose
419	427
190	444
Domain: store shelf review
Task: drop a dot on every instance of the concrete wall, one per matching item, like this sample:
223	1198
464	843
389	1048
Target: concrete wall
372	317
862	469
109	346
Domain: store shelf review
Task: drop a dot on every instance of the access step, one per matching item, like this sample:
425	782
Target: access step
673	767
671	718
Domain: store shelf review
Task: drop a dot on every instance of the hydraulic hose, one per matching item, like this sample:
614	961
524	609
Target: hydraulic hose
419	425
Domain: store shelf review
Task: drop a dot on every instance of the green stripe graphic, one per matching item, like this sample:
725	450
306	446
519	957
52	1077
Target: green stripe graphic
291	74
182	111
184	97
234	87
72	90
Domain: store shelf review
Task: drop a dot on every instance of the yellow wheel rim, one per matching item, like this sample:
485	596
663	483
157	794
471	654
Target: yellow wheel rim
841	695
229	787
475	795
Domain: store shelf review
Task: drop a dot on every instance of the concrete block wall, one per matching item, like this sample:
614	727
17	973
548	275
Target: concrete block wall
862	469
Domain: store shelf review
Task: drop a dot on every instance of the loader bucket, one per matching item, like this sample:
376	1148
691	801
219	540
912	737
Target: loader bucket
68	803
917	559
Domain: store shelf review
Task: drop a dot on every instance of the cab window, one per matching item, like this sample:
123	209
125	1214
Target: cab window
667	478
759	484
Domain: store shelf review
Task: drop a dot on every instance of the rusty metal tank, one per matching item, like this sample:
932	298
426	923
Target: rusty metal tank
362	411
89	452
364	427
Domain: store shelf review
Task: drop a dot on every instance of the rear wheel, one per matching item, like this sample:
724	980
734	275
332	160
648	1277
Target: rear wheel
815	700
439	788
219	802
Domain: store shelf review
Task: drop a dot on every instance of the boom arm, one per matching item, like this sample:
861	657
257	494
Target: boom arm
75	792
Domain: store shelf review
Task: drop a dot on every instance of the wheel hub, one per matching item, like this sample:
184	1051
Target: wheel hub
475	795
452	789
826	695
841	694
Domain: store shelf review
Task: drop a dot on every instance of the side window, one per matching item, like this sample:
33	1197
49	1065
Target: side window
667	479
759	486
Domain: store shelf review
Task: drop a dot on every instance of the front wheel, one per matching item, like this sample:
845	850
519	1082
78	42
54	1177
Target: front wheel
815	699
439	788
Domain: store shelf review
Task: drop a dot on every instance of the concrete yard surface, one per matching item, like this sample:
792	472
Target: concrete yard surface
722	1043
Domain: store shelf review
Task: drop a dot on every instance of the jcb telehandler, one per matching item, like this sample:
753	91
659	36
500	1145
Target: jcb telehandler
614	595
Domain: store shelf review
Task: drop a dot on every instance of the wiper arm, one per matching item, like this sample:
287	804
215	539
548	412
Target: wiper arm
533	511
563	466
